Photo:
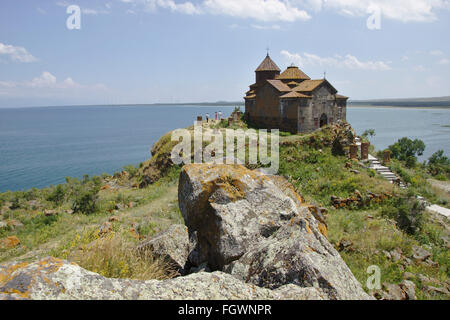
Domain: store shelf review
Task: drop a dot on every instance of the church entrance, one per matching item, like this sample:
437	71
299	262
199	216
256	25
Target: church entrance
323	120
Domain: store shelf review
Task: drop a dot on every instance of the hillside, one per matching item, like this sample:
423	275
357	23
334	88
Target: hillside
96	222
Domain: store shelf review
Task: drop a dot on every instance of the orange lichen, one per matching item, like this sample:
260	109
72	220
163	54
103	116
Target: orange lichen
5	275
308	229
9	242
323	229
48	265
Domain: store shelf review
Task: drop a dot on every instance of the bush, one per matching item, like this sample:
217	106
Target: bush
407	212
85	195
57	196
411	162
438	164
406	148
132	170
368	133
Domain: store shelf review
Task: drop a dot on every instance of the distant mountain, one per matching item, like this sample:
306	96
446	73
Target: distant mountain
405	102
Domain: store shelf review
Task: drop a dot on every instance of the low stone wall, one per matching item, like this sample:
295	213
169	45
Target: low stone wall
358	200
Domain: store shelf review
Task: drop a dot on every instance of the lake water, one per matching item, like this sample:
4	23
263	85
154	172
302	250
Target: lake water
41	146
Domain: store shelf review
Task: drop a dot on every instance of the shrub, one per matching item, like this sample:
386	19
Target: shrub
438	164
57	196
407	212
85	195
405	148
411	162
132	170
368	133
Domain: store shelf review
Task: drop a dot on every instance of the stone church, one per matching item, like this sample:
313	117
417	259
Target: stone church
291	101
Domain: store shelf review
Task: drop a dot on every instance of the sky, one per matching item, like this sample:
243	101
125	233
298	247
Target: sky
173	51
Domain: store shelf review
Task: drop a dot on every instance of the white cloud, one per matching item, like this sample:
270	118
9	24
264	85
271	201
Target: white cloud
402	10
46	83
263	10
41	11
264	27
347	62
293	57
436	53
294	10
269	10
7	84
62	3
94	12
444	61
48	80
16	54
186	7
45	80
88	11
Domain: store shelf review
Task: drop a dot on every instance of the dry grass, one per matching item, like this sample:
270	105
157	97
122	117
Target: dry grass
112	258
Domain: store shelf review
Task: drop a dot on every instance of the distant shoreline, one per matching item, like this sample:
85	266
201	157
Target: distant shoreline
395	106
350	104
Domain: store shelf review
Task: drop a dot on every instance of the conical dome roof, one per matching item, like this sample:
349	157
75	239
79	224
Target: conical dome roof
293	73
268	65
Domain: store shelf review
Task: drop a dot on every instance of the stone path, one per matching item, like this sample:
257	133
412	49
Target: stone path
434	208
386	173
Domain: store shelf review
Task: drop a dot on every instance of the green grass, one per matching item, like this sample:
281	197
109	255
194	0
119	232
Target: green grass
307	160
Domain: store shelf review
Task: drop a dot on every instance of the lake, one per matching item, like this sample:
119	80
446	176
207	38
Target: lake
41	146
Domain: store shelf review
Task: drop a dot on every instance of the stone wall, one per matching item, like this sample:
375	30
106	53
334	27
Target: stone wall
294	115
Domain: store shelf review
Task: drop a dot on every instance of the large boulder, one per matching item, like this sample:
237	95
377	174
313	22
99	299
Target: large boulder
257	228
298	254
172	245
230	208
55	279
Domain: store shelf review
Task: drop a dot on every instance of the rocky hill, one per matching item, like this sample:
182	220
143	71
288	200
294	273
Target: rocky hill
162	231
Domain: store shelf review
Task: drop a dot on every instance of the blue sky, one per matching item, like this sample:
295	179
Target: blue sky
150	51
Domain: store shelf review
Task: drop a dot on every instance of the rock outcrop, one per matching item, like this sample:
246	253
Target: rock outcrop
252	230
55	279
247	226
171	245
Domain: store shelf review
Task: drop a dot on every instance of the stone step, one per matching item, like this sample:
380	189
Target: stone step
386	174
381	169
389	177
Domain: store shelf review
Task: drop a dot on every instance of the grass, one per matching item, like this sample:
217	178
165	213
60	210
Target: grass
371	234
307	160
156	208
111	257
